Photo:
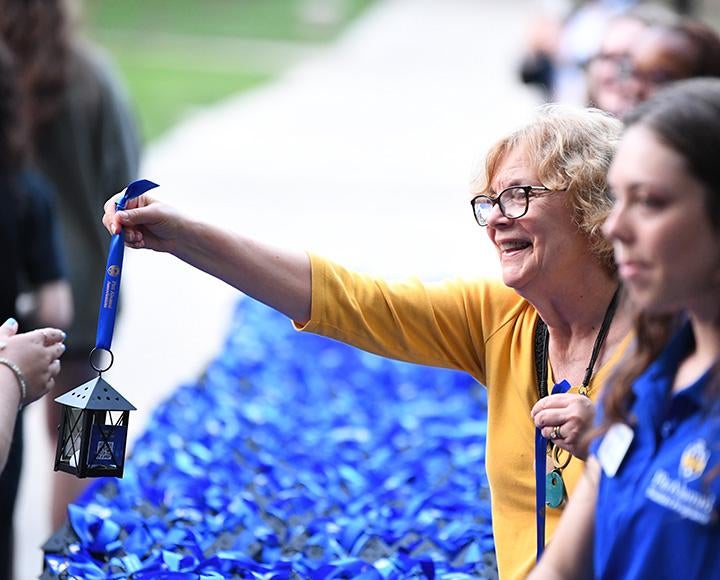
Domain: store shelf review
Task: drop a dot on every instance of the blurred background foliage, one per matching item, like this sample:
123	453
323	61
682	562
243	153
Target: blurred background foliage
179	55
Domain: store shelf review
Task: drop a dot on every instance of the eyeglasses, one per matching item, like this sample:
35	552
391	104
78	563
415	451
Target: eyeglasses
654	77
512	201
620	62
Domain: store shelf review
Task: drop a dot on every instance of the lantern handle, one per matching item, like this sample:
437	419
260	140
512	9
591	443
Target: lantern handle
96	354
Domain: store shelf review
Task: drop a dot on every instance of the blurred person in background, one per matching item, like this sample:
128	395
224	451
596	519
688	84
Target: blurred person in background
85	141
607	71
666	53
561	41
30	255
648	504
541	200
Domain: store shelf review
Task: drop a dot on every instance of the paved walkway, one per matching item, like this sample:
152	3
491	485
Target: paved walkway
363	152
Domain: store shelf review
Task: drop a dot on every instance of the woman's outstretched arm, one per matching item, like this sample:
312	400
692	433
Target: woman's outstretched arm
279	278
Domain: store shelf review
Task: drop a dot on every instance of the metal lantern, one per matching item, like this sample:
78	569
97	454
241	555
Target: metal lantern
93	430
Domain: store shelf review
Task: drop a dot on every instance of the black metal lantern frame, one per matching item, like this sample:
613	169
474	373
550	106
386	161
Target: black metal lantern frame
93	431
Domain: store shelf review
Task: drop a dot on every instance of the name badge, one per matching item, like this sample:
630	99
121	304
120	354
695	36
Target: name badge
614	447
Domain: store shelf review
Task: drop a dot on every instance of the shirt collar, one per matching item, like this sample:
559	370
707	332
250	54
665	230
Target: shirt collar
661	373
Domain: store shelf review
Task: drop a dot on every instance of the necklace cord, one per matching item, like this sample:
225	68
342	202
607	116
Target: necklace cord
542	343
541	348
602	335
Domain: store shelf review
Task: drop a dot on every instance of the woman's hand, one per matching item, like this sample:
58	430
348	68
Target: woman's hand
147	223
36	354
565	419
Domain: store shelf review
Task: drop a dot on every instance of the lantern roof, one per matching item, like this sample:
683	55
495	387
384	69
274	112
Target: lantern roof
96	394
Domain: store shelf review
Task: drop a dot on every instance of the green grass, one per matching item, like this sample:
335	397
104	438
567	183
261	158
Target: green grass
165	89
178	55
299	20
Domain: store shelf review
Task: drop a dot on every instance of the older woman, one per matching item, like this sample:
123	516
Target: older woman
649	500
541	201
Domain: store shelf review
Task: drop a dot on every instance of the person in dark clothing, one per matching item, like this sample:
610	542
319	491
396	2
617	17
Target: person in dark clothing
85	141
31	255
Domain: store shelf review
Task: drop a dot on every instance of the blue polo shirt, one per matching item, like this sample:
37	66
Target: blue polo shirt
658	516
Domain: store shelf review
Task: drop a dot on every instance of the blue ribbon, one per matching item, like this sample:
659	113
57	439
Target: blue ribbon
540	492
113	269
384	482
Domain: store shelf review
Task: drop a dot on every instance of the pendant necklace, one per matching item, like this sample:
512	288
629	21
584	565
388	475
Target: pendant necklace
555	490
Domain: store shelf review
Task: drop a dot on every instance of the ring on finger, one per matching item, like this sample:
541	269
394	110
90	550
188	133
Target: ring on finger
555	433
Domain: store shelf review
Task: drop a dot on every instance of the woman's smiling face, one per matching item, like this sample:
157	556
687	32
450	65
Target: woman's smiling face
667	251
544	245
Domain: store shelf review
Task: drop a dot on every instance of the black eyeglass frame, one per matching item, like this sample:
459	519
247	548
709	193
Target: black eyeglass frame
497	200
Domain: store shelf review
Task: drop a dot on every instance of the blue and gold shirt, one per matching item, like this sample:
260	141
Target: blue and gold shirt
658	516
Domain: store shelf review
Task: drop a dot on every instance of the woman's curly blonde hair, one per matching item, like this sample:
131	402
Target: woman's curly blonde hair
571	149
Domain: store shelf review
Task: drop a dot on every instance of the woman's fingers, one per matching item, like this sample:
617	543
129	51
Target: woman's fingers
8	328
54	367
565	419
109	219
58	350
553	433
50	336
115	220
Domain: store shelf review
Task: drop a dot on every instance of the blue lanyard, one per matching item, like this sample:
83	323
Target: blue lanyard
113	269
541	362
540	480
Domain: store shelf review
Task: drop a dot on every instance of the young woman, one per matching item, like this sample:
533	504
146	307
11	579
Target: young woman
648	504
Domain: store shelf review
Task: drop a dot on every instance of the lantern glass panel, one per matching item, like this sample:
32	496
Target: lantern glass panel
107	440
72	436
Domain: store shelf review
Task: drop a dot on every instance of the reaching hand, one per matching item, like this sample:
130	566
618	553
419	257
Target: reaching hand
36	354
147	223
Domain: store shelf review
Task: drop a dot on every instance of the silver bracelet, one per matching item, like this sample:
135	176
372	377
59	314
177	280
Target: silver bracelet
22	383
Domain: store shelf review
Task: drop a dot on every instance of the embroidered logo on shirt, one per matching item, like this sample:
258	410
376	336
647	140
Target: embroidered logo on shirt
676	494
694	460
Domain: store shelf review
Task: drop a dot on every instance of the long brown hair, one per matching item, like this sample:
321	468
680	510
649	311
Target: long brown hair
13	133
706	41
686	118
37	32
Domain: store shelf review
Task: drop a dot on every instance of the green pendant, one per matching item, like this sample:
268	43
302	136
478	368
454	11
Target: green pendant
554	489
